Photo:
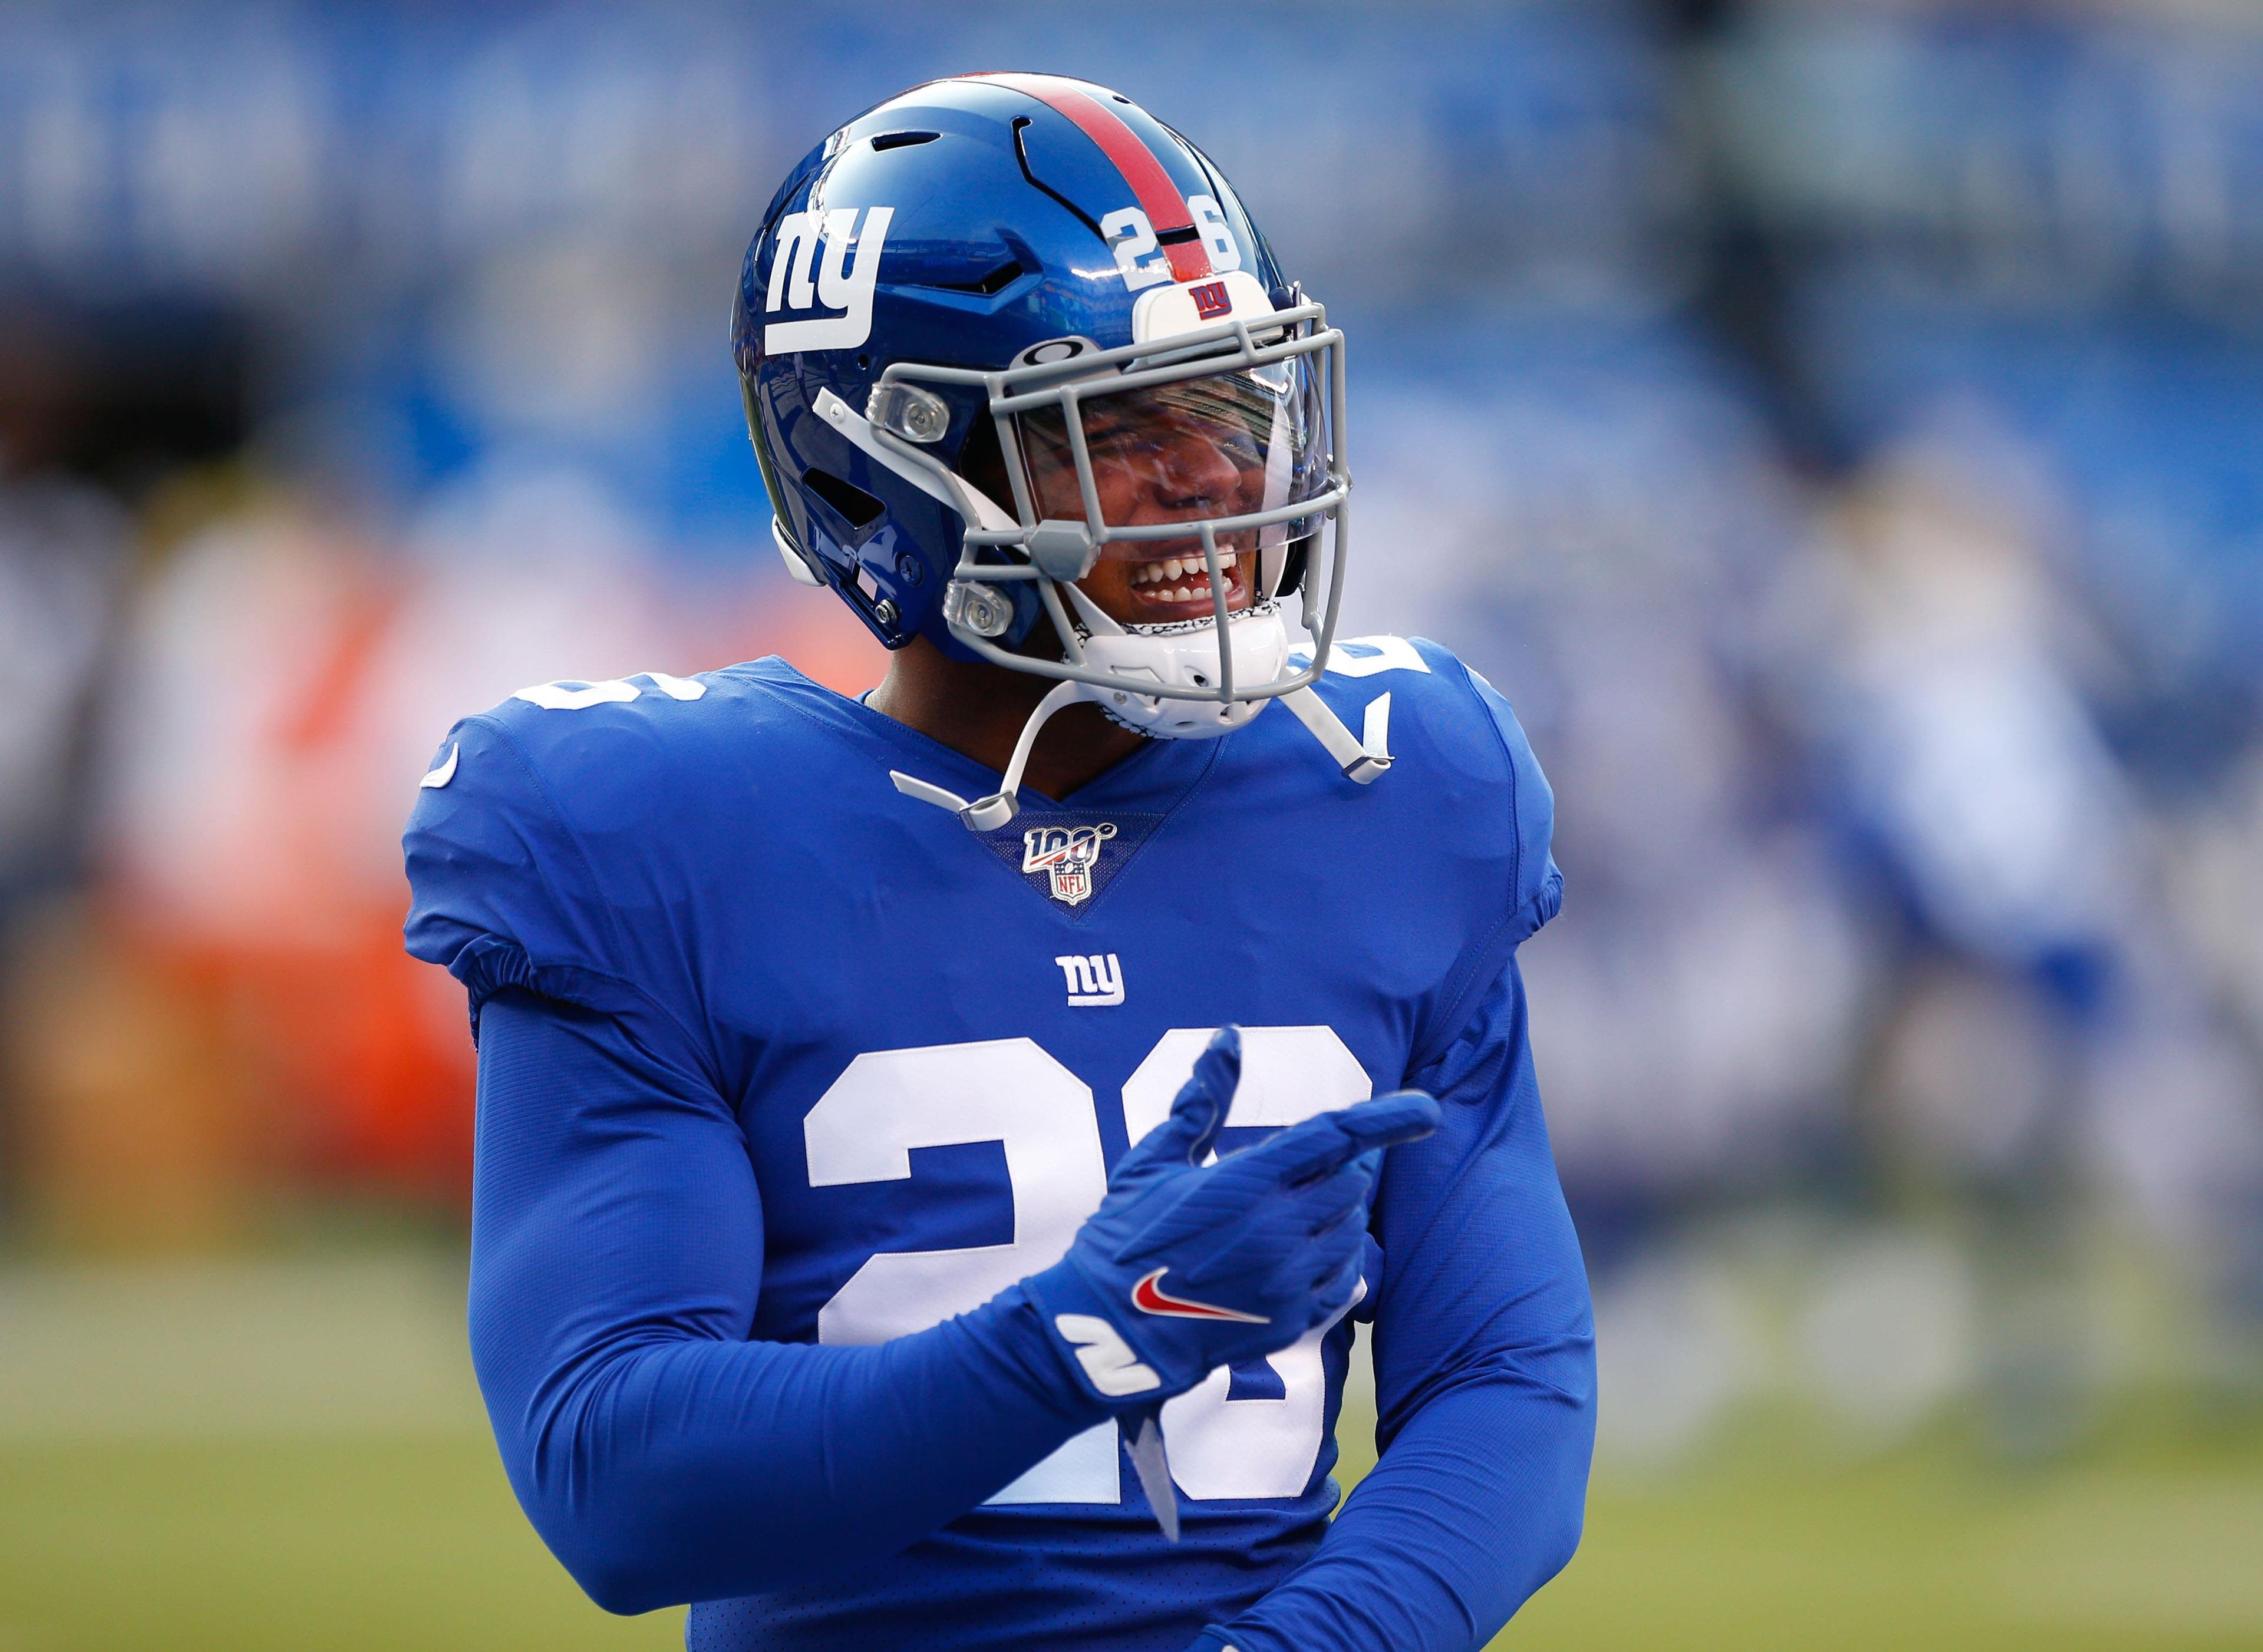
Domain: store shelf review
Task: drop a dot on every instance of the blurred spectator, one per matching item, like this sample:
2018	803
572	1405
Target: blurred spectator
1593	525
2037	1012
61	566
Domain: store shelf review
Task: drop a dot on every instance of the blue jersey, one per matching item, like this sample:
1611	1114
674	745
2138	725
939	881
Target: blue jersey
894	1059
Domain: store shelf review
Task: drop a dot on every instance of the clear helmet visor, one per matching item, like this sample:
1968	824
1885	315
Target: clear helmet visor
1211	448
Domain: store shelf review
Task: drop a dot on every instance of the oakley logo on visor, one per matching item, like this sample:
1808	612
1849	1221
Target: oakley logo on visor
1149	1297
825	260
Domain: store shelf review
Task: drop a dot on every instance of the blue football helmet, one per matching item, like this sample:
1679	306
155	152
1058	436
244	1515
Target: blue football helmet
1005	331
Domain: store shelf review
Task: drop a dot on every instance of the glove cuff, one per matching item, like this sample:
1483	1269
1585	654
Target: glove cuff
1088	1332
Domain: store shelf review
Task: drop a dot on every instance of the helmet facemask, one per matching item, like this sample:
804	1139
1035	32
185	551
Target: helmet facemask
1162	493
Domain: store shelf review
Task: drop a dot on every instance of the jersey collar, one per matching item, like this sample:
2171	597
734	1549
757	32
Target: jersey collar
1155	779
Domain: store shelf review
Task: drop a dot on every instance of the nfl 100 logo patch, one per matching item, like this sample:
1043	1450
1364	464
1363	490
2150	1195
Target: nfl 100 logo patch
1068	856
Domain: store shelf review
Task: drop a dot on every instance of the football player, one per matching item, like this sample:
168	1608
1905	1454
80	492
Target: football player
882	1236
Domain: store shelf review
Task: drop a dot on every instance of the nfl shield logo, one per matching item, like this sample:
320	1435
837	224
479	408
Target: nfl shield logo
1066	855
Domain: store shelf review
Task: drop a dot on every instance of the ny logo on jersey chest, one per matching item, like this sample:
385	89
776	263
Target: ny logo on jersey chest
1067	855
1095	981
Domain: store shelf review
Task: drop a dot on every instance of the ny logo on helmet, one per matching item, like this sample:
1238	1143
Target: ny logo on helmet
811	265
1066	854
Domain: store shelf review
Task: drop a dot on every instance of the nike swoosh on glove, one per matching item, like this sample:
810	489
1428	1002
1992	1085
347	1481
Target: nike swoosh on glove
1186	1268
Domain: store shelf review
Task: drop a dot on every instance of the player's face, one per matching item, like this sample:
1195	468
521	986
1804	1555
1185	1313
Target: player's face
1177	453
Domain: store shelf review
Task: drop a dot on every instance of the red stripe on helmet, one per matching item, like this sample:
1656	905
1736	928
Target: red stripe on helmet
1158	197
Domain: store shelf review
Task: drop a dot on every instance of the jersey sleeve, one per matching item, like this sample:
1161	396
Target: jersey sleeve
616	1257
1483	1345
502	891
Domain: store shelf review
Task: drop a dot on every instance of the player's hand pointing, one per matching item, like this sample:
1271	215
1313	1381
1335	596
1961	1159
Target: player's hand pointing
1186	1268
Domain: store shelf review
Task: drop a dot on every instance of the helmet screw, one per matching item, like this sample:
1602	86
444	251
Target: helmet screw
885	611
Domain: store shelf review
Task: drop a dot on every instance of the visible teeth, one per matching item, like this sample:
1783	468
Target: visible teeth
1165	573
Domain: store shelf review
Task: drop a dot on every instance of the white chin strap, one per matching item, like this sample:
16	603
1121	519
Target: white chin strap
1181	657
987	814
1187	658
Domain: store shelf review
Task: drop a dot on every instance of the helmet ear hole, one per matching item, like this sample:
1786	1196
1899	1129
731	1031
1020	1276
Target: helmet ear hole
854	505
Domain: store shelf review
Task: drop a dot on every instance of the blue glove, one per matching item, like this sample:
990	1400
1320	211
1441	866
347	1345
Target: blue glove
1186	1268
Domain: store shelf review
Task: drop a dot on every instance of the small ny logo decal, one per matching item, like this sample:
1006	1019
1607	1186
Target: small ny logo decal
1096	981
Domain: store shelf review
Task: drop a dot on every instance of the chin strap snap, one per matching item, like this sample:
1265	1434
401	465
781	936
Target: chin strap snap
1361	760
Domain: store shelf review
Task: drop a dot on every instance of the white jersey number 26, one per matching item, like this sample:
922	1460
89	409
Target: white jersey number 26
1010	1090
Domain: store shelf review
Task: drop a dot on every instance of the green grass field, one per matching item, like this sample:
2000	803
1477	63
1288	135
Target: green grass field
165	1483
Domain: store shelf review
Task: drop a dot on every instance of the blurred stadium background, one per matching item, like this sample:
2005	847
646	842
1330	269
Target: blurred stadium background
1838	428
